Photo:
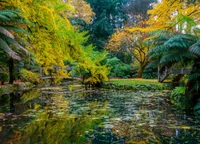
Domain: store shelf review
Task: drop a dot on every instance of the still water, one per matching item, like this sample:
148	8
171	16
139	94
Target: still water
94	117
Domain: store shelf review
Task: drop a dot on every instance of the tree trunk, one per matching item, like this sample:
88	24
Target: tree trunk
141	69
11	70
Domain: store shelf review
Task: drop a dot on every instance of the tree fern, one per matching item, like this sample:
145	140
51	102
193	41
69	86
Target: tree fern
175	57
9	21
180	41
154	63
8	40
4	46
16	29
195	48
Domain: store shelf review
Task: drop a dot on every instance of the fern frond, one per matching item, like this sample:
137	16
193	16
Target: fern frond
6	32
156	49
161	33
8	50
194	76
154	63
195	48
155	56
7	15
175	57
16	29
23	42
183	41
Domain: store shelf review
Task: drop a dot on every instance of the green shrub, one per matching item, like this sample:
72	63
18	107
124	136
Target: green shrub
118	68
150	73
135	85
3	76
177	97
197	108
30	76
1	90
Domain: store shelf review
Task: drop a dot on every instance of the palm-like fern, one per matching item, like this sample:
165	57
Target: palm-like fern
12	47
173	49
193	85
182	50
9	42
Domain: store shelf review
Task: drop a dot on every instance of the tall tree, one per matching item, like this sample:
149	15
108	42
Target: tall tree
53	37
135	12
104	22
55	40
82	12
134	43
166	15
114	14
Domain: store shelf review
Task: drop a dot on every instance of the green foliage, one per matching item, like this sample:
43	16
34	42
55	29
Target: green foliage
118	69
135	84
3	76
149	73
177	97
10	43
115	14
12	46
180	50
1	90
90	66
103	25
30	76
135	81
193	86
197	108
173	49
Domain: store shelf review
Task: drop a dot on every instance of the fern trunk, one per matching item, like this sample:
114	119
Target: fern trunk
11	70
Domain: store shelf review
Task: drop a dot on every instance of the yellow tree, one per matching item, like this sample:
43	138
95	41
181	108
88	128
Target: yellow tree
82	10
174	15
53	38
166	14
90	66
131	42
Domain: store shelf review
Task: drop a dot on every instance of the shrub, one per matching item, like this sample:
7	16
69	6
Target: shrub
118	68
197	108
3	76
177	97
29	76
149	73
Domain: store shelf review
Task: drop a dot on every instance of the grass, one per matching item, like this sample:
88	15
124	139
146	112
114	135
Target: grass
136	81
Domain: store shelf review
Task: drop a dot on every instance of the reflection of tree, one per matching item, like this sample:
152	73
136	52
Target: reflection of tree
134	131
151	123
53	122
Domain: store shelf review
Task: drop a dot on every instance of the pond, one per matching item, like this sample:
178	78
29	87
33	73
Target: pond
94	116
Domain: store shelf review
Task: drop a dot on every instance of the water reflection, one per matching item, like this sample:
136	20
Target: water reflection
43	118
99	117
